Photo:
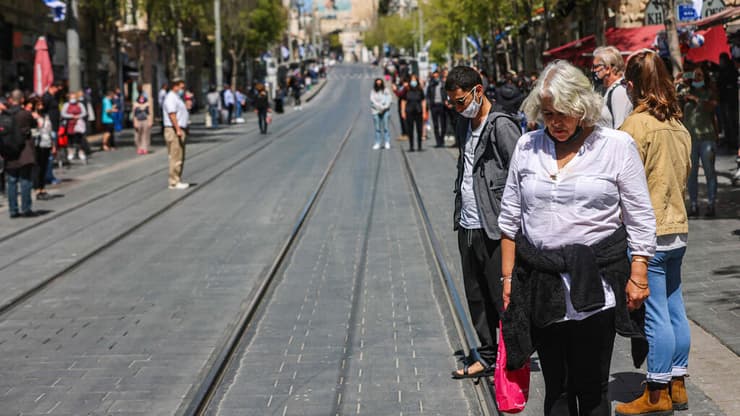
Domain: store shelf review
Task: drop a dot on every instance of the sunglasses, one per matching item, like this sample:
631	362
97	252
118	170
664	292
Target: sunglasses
461	100
596	67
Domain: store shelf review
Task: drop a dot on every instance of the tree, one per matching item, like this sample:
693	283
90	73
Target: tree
249	27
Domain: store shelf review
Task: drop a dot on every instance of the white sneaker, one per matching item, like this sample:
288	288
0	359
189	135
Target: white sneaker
387	145
376	146
180	186
70	156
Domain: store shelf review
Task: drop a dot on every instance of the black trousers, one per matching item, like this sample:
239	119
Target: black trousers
404	130
452	118
481	267
262	118
439	119
575	357
414	119
40	167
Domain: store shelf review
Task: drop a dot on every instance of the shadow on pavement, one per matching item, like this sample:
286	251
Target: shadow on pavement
626	386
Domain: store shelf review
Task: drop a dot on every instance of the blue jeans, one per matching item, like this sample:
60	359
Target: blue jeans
22	176
706	151
666	325
381	127
213	110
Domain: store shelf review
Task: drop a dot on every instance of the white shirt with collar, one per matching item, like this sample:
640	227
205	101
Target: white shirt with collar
601	188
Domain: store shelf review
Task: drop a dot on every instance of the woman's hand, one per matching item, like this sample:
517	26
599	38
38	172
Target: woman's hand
637	289
507	292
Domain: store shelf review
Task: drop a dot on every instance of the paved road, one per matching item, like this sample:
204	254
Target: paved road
356	323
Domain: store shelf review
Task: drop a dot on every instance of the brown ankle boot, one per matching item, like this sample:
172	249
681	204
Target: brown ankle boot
678	394
655	401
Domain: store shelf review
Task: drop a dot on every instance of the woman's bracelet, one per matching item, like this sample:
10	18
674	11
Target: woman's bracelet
640	260
639	285
505	278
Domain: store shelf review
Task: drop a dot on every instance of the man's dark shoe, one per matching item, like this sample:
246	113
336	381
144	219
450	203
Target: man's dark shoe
43	196
30	214
16	215
710	211
693	210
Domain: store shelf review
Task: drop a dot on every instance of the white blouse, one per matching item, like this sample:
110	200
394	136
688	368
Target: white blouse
601	188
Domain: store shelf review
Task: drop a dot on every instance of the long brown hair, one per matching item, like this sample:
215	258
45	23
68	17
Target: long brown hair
652	86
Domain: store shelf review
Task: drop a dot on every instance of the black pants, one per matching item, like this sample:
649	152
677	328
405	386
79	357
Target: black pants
262	118
439	119
728	117
40	167
414	119
404	130
452	115
481	267
575	357
230	109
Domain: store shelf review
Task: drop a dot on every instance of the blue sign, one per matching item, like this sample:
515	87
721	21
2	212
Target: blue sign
687	12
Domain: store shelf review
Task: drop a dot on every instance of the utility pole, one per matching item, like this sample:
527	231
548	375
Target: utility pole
421	25
219	61
73	48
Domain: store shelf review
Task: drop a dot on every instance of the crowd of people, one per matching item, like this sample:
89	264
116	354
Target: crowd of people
570	212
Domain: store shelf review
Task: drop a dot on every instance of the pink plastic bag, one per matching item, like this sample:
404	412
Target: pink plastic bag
512	387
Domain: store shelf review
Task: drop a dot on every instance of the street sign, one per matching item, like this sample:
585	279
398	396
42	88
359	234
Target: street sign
654	11
710	7
687	12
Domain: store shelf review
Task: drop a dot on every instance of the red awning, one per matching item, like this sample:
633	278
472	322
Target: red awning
715	43
627	40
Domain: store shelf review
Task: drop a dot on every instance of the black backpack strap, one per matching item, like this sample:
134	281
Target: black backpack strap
609	102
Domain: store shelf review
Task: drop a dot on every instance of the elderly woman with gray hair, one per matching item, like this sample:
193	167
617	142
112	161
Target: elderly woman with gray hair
575	200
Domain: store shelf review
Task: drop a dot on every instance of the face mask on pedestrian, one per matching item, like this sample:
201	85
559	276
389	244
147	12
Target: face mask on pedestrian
378	87
181	93
697	84
473	108
73	100
413	83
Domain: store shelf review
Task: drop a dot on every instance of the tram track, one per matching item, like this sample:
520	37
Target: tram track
117	189
464	329
10	304
203	393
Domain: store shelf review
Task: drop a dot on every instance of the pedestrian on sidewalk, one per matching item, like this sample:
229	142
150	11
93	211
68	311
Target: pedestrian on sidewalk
73	114
228	101
85	100
44	147
700	105
262	107
296	84
176	119
413	109
118	116
400	92
214	106
664	145
380	105
437	102
19	170
576	199
107	115
142	125
608	70
488	139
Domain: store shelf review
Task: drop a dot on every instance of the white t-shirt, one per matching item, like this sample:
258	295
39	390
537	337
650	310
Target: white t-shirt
469	215
174	104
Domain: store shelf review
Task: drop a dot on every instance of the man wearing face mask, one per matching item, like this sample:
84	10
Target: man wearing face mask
487	141
608	72
176	118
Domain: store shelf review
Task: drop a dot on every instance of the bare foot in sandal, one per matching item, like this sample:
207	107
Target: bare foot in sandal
474	370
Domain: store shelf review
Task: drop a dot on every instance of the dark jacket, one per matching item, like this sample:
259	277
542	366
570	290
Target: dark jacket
24	122
431	92
490	167
538	295
51	104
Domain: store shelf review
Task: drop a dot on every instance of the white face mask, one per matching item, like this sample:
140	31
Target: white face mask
472	110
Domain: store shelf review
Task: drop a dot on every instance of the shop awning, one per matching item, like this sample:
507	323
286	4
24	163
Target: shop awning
627	40
727	15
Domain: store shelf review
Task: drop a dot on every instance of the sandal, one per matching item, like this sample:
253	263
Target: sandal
485	372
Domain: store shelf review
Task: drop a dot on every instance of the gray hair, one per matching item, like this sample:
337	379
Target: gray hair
611	57
16	96
571	91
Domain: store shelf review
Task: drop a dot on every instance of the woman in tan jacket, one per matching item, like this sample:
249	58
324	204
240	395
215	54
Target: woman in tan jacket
142	125
665	148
